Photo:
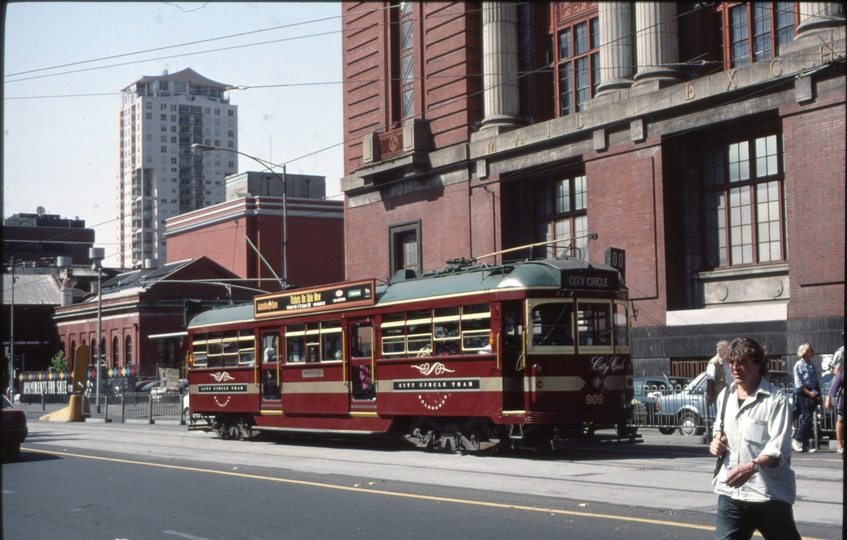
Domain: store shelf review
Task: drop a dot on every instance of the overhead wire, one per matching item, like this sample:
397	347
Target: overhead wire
718	67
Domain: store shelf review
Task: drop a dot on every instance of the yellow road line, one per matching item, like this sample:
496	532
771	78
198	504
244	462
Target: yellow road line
392	493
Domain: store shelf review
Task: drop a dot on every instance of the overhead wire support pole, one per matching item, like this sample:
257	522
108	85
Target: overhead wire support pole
199	148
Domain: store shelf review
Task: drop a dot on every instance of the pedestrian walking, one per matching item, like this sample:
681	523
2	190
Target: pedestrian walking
717	374
835	397
755	484
807	395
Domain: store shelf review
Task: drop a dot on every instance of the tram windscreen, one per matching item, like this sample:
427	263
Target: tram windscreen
552	324
594	321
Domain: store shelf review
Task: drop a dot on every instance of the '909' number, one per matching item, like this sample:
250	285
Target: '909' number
594	399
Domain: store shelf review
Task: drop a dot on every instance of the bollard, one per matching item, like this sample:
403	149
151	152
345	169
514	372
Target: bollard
106	414
43	401
150	397
123	410
815	419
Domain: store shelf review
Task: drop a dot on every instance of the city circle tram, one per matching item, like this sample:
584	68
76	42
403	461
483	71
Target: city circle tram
523	355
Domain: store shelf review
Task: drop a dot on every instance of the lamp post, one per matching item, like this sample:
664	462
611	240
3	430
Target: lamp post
12	338
200	148
97	255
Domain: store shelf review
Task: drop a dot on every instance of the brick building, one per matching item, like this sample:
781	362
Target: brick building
151	301
705	140
42	236
250	222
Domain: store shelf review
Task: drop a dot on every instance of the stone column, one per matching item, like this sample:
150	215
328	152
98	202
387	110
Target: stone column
657	42
616	53
500	64
816	16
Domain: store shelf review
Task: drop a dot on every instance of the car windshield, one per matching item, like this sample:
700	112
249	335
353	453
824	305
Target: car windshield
693	385
6	403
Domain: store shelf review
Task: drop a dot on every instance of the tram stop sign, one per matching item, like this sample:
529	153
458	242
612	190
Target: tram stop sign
616	258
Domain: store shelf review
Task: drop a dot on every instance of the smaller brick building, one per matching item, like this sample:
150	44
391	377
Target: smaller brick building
236	232
140	303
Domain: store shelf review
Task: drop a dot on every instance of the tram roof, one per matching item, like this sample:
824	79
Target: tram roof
534	274
550	274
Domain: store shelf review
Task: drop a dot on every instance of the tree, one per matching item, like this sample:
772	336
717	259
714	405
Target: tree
59	362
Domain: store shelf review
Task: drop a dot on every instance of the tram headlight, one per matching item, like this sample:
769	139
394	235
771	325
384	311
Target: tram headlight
597	382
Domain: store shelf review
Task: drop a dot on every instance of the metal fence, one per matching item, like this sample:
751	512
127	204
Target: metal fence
683	410
138	405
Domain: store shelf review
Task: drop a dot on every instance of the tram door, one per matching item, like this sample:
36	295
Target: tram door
270	391
513	362
361	370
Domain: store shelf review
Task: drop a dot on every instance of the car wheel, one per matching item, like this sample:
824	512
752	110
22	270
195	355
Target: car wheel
689	424
667	430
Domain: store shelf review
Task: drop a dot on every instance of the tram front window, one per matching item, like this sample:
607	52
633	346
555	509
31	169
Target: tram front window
595	324
552	324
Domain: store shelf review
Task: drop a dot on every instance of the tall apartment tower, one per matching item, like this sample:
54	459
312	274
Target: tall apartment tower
159	177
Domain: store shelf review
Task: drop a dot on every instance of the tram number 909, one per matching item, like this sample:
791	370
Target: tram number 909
594	399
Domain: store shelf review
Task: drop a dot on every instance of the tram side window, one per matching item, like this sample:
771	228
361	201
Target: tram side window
552	324
444	331
270	347
246	348
476	328
419	332
314	342
330	340
394	335
198	350
270	371
215	358
295	340
362	341
447	331
621	326
230	348
594	321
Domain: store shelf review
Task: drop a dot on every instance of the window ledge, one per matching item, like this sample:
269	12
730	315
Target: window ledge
777	269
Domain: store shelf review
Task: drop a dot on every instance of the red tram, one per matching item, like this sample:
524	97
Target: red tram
524	355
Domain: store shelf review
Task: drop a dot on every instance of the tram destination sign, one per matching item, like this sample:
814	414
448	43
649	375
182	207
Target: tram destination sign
592	279
360	293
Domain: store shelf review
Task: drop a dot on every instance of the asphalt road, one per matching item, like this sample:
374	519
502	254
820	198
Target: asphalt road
134	481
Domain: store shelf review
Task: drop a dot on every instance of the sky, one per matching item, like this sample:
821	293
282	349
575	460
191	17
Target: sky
65	64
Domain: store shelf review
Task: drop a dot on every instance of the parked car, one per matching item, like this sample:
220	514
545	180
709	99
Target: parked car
14	430
647	391
145	385
686	410
159	391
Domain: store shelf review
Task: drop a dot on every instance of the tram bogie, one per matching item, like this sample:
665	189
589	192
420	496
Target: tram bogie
523	355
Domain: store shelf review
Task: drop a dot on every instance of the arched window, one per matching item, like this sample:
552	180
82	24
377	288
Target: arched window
116	349
128	349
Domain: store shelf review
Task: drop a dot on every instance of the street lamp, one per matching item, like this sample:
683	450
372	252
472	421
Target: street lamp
97	255
198	148
12	338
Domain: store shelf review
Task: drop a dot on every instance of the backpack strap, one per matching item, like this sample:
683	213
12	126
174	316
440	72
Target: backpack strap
723	414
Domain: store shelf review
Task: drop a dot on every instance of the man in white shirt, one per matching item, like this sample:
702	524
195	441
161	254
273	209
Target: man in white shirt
755	483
